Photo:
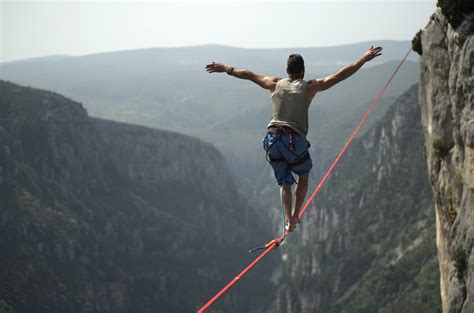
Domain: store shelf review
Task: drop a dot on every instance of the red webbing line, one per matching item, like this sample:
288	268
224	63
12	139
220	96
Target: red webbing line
236	278
308	202
354	133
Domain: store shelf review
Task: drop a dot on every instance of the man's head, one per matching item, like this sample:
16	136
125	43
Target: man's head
295	67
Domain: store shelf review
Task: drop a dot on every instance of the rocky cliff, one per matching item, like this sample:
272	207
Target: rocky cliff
447	99
98	216
368	244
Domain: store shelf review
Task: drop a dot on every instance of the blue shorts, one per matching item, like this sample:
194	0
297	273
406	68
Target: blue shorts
287	154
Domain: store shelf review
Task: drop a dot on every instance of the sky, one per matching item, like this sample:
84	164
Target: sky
42	28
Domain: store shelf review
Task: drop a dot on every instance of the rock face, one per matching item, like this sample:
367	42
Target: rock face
447	100
98	216
368	244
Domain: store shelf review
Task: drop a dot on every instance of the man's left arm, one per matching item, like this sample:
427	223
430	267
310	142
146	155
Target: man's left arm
266	82
327	82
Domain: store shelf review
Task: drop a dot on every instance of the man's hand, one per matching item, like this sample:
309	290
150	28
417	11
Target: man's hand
372	53
216	67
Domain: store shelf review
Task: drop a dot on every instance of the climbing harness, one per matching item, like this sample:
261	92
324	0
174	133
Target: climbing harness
276	242
292	143
280	131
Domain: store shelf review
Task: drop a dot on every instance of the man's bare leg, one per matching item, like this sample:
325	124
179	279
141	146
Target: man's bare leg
300	193
286	200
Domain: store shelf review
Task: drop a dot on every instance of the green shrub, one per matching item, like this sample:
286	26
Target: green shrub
455	9
4	307
441	147
452	213
416	42
460	40
458	184
460	261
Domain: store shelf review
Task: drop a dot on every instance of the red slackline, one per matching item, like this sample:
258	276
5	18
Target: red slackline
274	243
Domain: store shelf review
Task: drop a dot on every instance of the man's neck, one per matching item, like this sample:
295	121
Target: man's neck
292	77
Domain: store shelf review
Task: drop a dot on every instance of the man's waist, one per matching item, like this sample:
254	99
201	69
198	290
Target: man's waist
282	129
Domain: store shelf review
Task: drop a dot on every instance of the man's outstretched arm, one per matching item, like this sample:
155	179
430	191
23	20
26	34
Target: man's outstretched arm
327	82
263	81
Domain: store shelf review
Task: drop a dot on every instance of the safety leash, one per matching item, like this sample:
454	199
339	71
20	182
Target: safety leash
276	242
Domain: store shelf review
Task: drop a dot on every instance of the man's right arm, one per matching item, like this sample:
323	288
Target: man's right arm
327	82
266	82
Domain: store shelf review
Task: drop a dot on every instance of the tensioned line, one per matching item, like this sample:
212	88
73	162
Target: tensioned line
276	242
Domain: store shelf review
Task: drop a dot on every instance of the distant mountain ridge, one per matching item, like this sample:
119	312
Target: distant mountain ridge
172	81
37	59
201	52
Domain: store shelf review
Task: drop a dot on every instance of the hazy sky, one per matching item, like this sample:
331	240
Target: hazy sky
40	28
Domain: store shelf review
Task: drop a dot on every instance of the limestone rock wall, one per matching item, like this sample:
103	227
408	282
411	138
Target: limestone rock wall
446	97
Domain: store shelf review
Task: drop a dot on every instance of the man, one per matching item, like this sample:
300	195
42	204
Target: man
285	143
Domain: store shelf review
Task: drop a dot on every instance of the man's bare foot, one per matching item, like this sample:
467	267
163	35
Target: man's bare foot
295	218
290	225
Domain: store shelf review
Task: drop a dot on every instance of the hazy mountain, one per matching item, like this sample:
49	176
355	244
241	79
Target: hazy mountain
99	216
169	89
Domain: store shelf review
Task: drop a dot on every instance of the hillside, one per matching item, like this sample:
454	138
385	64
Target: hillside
368	243
99	216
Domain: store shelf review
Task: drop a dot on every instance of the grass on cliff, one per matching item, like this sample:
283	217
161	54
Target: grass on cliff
455	10
416	43
4	307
